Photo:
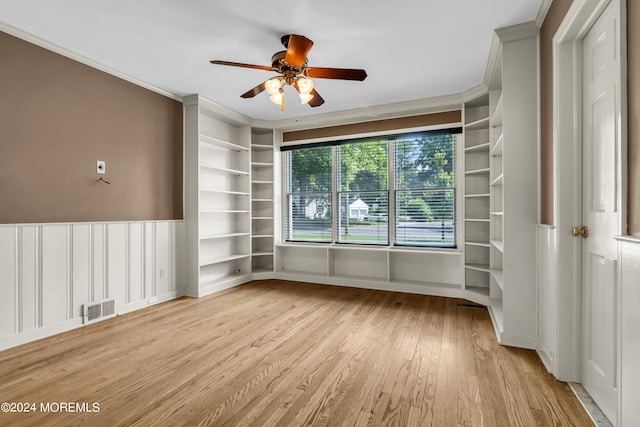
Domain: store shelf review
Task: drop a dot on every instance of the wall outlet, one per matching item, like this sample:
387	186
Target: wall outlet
152	300
101	167
162	273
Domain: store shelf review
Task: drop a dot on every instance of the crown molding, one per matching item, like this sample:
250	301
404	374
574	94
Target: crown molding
517	32
474	92
367	114
16	32
218	111
494	64
542	12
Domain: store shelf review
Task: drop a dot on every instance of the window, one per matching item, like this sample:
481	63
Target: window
425	197
309	194
363	192
398	190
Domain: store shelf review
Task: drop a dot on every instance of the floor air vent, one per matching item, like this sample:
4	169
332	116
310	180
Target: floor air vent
99	310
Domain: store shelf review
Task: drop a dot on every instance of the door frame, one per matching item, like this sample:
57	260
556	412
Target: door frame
567	148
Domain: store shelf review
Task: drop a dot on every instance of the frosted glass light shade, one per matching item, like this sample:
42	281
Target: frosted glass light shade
305	85
277	98
305	97
273	85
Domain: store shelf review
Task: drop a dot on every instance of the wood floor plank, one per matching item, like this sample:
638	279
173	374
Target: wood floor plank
279	353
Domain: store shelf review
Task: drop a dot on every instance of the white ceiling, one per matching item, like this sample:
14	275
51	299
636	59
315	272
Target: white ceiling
411	49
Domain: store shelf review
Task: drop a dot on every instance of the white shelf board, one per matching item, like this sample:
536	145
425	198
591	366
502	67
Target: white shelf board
261	217
222	236
478	124
477	219
363	278
497	147
262	164
262	182
497	182
497	213
222	143
261	236
478	147
218	260
482	244
497	244
483	171
224	170
261	147
262	270
235	193
222	211
262	253
302	273
499	276
262	200
478	267
475	195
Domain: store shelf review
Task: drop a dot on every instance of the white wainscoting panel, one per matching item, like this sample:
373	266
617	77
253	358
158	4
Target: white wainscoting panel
54	274
48	271
8	280
547	294
629	251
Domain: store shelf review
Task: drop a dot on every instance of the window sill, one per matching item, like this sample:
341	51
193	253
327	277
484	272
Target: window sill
374	248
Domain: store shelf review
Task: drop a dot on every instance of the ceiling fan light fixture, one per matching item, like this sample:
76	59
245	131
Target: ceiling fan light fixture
277	98
305	98
305	85
273	86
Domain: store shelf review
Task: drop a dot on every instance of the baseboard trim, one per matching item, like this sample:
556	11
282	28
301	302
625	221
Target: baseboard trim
77	322
429	288
40	333
138	305
521	341
546	358
221	286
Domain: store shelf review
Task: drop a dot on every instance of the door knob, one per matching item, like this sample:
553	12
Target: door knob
577	231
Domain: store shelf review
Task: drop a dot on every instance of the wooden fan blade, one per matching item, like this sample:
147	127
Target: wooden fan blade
317	100
239	64
297	50
253	92
336	73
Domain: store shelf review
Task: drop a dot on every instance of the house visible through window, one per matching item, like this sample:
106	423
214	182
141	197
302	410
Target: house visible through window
398	190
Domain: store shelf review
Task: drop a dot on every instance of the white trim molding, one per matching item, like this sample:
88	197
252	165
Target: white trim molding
542	12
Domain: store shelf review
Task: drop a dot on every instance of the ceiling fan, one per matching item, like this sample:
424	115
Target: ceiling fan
293	70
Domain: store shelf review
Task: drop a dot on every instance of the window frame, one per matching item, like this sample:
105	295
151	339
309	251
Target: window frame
391	137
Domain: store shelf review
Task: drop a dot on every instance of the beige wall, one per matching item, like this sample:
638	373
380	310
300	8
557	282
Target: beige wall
554	18
633	58
58	117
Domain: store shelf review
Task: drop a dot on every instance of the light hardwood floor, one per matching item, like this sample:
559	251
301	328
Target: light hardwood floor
276	353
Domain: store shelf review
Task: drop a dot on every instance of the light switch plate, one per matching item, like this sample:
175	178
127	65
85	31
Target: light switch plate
101	167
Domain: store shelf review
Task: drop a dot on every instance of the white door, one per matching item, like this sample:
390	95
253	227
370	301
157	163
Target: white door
600	211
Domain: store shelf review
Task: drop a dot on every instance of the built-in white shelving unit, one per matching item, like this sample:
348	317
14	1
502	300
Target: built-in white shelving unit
476	195
262	202
217	199
434	272
514	185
